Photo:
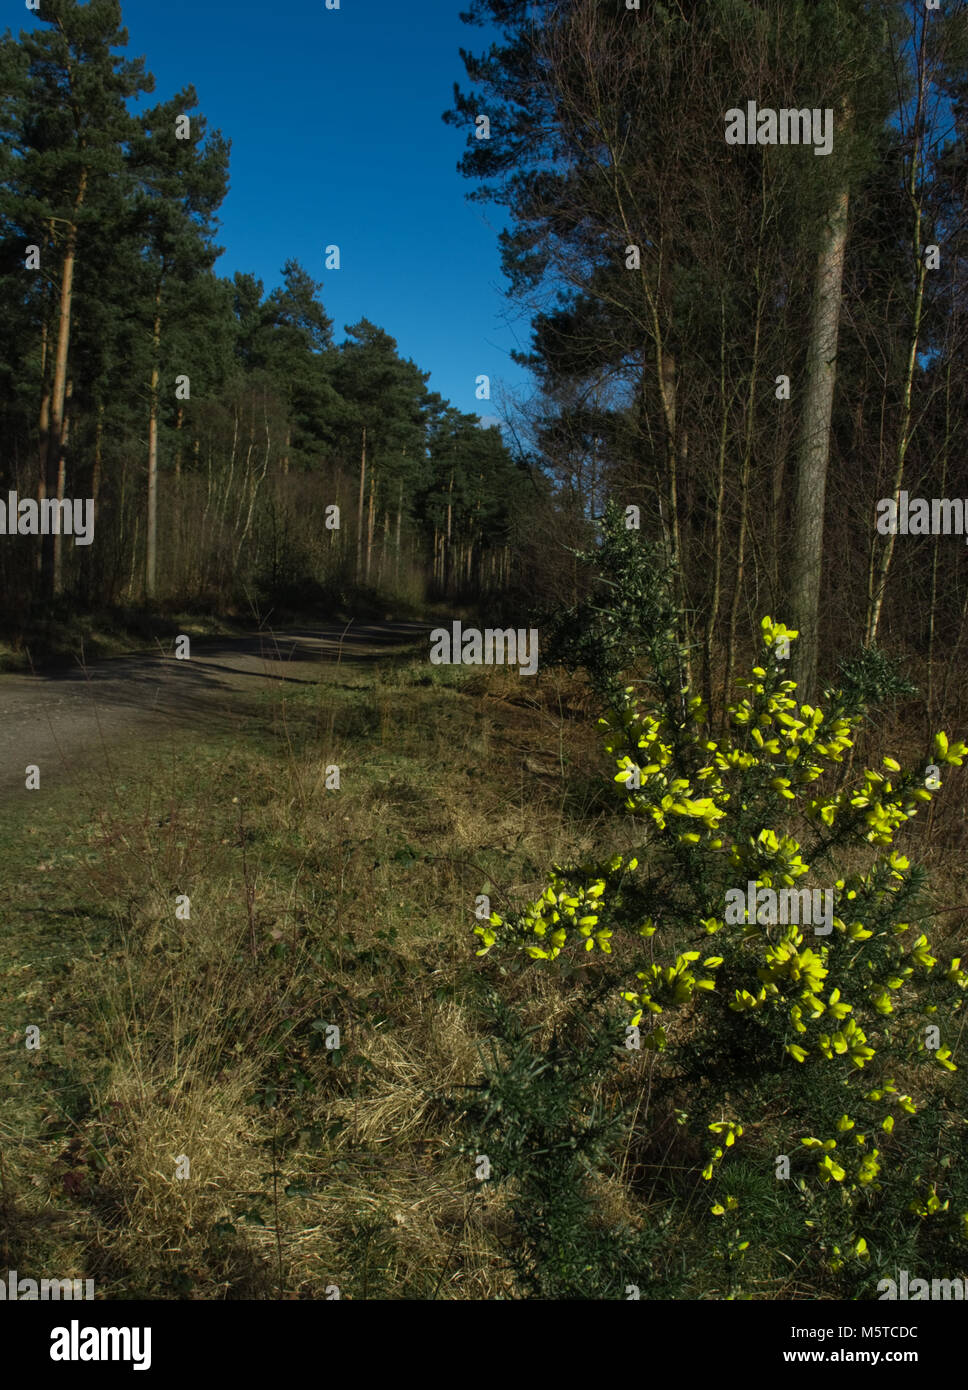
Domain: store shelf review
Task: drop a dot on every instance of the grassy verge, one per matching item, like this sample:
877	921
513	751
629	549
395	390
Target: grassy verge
198	1030
188	934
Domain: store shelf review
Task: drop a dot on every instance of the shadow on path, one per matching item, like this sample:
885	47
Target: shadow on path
70	718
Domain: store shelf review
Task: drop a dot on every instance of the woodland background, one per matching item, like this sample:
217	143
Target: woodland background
655	385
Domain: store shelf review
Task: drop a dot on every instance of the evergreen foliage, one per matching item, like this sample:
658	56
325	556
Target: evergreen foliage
213	423
809	1068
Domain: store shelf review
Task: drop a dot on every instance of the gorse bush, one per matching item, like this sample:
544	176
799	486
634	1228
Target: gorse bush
544	1121
629	614
808	1066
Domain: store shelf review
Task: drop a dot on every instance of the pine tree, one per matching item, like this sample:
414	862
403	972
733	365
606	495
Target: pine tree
71	125
180	180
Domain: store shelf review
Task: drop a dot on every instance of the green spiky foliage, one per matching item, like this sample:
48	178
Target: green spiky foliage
805	1043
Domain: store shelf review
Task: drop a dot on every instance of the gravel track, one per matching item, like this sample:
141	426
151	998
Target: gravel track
69	720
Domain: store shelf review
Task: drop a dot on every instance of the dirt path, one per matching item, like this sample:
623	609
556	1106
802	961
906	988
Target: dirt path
63	722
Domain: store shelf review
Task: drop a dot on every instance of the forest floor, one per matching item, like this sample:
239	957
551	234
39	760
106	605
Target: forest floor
191	905
164	1036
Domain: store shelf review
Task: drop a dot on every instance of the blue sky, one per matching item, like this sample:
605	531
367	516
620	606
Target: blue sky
337	137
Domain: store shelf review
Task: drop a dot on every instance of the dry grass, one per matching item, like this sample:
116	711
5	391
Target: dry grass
204	1037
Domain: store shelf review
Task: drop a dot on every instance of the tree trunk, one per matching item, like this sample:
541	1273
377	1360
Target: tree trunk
669	391
253	481
43	436
932	612
175	544
179	422
714	597
744	503
877	585
59	388
369	530
399	515
781	448
814	448
450	508
151	527
58	539
359	510
98	454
